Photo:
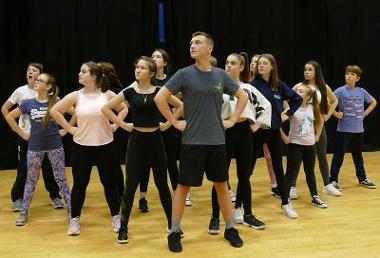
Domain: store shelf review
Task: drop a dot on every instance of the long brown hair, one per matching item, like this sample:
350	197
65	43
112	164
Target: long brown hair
274	78
52	96
312	95
321	84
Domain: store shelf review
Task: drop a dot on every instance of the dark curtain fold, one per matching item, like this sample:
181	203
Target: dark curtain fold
64	34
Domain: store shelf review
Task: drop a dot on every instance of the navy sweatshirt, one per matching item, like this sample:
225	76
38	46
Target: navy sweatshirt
276	97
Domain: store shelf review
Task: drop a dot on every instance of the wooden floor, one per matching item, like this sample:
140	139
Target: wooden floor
349	227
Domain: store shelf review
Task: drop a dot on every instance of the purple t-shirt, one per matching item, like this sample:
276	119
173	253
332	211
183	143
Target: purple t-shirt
351	103
41	138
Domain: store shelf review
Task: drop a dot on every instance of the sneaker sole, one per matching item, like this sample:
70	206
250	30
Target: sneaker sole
329	193
213	232
58	207
17	210
122	241
188	204
20	224
276	196
368	187
143	211
74	234
320	206
254	227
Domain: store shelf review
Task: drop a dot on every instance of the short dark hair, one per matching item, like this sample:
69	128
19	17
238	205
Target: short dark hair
205	34
39	66
354	69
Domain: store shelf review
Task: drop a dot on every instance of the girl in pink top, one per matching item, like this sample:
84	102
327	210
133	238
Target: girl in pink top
93	140
305	129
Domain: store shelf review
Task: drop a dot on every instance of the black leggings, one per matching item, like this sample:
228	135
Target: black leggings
83	157
274	142
172	143
239	143
296	155
146	150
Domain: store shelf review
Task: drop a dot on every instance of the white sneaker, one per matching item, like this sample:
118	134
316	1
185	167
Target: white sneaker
330	189
293	193
116	223
188	200
238	216
232	196
289	211
74	228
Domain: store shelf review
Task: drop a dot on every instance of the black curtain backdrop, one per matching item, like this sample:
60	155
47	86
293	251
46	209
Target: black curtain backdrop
64	34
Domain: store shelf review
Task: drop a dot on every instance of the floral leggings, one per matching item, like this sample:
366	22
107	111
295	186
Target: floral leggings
34	161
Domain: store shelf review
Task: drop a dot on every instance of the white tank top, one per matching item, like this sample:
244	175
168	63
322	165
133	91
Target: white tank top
94	127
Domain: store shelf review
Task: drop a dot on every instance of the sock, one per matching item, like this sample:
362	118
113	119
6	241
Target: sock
175	226
229	223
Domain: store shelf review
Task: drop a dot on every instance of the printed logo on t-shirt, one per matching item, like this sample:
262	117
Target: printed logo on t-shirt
305	126
37	114
218	87
353	108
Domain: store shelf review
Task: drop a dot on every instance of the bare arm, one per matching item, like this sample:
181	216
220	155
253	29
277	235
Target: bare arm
371	106
11	120
318	128
64	106
242	99
177	103
116	103
162	102
6	107
332	102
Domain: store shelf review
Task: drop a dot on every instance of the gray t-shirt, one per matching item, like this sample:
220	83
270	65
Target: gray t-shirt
202	98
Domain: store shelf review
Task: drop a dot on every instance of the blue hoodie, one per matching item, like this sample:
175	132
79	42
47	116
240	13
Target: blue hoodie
276	97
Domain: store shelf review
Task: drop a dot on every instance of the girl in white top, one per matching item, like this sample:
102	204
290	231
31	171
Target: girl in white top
305	129
93	138
239	141
313	77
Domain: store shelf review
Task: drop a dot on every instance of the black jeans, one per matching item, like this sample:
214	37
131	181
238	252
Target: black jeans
342	142
296	155
17	191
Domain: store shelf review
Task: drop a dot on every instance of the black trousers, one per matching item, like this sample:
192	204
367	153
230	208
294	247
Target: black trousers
83	157
17	191
274	142
342	142
296	155
239	143
145	151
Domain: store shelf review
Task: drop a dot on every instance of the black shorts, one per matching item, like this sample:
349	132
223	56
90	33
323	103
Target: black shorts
195	160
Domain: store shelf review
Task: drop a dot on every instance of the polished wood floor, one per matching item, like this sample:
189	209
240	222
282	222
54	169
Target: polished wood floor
349	227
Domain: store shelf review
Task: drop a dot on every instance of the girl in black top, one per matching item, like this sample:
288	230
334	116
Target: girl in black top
171	136
145	147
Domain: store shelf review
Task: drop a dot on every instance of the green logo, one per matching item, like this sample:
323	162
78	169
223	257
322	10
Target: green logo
218	87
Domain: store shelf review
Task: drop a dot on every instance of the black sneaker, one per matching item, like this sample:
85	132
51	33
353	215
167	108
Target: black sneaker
368	183
232	235
174	242
123	235
251	221
318	202
143	205
276	192
213	227
180	232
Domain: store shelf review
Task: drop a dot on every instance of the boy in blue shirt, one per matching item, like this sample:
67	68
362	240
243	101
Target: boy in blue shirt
350	128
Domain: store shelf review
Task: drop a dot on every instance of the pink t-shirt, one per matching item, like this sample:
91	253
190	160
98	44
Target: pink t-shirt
302	130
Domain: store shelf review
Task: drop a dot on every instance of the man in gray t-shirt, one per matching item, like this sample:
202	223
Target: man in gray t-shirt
202	151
